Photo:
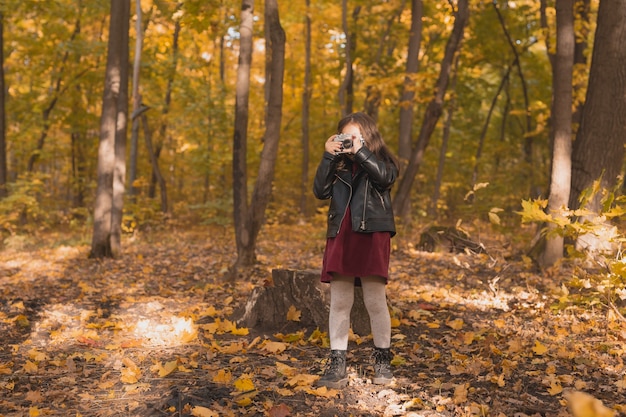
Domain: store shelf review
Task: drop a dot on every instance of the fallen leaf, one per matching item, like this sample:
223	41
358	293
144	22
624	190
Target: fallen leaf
275	347
582	404
199	411
280	410
293	314
539	349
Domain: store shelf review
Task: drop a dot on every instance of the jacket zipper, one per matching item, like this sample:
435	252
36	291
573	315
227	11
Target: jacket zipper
367	183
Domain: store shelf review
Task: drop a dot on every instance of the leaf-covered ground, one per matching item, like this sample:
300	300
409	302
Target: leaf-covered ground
151	334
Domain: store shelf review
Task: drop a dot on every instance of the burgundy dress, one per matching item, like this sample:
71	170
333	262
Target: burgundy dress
356	254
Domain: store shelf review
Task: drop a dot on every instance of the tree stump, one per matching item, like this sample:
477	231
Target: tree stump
448	239
267	307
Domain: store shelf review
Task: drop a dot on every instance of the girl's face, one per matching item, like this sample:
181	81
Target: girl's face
352	129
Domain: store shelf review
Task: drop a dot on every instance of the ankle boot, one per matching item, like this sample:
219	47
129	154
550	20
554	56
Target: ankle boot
382	366
335	373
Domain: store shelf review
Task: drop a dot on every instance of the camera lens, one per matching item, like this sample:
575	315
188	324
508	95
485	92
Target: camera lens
347	143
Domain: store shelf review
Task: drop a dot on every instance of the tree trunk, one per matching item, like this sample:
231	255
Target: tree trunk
134	137
528	141
154	160
483	133
3	129
562	121
432	211
119	171
433	112
267	308
45	115
166	107
306	106
240	136
598	152
582	11
346	92
408	93
102	227
263	186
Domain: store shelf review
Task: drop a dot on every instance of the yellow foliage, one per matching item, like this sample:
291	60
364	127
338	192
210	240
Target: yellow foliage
582	404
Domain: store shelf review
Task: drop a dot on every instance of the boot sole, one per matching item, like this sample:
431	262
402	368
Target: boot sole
382	381
342	383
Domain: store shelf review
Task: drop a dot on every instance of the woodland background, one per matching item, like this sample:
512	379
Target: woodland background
152	151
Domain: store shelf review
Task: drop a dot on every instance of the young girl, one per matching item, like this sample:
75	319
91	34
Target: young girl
357	175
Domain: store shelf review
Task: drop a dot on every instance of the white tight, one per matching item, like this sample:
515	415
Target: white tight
341	300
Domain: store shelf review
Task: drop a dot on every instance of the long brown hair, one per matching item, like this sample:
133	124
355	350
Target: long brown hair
371	135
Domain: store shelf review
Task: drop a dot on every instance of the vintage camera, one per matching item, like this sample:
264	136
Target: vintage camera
346	140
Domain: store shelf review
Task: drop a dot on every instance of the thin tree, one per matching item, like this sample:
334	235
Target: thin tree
306	106
136	97
119	170
240	134
263	185
158	146
57	90
445	139
528	141
433	112
3	129
112	130
407	104
346	89
560	181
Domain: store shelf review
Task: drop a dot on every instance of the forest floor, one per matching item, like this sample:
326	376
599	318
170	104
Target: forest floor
151	333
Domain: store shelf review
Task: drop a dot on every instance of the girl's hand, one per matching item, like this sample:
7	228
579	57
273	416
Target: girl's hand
357	144
331	146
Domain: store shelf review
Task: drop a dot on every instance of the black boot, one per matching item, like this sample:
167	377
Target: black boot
382	366
335	373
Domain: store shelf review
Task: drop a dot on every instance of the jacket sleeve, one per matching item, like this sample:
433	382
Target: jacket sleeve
382	174
325	176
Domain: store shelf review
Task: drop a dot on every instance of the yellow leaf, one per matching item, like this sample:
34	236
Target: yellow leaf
6	368
199	411
302	380
210	311
244	402
582	404
456	324
18	305
468	338
293	314
283	392
131	372
275	347
168	368
244	384
493	218
34	412
31	367
241	331
323	392
285	370
460	393
223	376
432	325
555	388
539	349
22	321
500	324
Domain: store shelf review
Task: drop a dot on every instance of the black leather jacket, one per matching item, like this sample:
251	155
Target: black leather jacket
368	193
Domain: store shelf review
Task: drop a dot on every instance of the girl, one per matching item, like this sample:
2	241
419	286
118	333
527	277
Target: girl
357	175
